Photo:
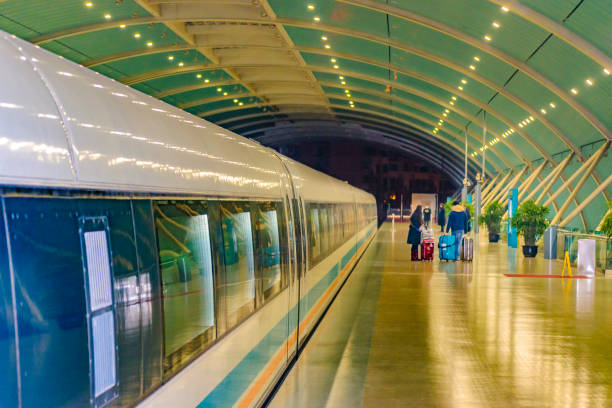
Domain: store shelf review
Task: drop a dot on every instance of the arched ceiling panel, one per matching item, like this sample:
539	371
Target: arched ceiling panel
539	71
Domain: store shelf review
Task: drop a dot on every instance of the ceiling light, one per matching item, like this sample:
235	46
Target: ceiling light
445	114
336	67
476	58
520	125
552	105
207	80
310	7
136	35
199	76
463	81
460	88
343	82
435	129
531	118
451	102
219	89
505	9
446	110
495	24
487	37
317	19
334	60
122	26
327	46
170	57
240	104
108	16
606	71
341	77
349	95
235	100
324	38
472	67
180	64
574	91
149	43
88	4
224	93
454	98
543	111
346	91
589	82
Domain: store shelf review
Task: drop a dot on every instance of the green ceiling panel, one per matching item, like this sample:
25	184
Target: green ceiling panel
345	65
235	114
45	16
223	104
591	21
181	80
569	121
156	62
212	92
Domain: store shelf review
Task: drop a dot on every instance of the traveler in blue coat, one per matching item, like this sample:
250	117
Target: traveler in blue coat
458	225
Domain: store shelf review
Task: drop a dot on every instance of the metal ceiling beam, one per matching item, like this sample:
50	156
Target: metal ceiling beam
385	96
302	103
400	13
558	30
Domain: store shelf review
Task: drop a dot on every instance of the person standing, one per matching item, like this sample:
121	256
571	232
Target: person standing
441	217
427	216
457	224
414	233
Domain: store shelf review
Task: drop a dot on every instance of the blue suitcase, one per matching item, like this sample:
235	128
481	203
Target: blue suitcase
446	245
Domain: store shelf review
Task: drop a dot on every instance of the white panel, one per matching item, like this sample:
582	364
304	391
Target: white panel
32	141
98	270
103	334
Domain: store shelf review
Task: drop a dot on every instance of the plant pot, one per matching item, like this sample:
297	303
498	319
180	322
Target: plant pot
530	251
493	237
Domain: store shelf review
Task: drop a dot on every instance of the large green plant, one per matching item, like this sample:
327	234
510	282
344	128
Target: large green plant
530	221
606	226
492	216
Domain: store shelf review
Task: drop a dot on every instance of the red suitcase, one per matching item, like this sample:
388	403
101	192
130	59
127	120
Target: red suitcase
427	251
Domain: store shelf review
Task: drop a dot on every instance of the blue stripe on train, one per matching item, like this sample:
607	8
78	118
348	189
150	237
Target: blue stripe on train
231	388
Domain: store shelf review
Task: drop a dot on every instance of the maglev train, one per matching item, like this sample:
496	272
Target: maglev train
148	256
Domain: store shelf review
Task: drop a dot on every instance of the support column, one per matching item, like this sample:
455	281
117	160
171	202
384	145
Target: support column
586	201
488	185
477	203
465	173
523	188
496	189
596	158
499	196
560	167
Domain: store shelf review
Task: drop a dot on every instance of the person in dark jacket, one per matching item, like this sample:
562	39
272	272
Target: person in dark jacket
414	233
441	217
458	225
427	216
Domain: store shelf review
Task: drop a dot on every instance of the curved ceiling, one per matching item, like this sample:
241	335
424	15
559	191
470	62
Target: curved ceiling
540	70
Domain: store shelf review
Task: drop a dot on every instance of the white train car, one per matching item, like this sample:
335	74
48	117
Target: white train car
150	257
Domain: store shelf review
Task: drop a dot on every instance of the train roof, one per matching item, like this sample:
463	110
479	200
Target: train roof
63	125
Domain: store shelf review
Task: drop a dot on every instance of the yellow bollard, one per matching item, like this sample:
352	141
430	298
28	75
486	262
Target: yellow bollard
566	261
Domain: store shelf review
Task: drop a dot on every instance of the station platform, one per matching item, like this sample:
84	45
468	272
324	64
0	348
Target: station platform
431	334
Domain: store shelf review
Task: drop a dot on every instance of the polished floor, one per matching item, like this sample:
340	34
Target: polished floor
430	334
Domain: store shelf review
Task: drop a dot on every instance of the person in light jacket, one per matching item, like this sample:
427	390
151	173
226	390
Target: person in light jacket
458	225
414	233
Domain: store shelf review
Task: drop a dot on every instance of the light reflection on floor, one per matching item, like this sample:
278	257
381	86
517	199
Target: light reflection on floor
458	335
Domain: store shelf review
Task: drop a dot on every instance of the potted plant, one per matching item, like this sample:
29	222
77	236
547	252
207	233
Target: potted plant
530	222
491	217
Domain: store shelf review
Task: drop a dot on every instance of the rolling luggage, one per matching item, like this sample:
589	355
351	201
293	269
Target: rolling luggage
427	251
467	254
446	246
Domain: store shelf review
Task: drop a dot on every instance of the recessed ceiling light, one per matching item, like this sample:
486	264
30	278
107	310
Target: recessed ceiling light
207	80
324	38
224	93
445	114
531	118
327	46
180	64
170	57
343	82
487	37
460	88
149	43
336	67
219	89
334	60
108	16
240	104
589	82
454	98
574	91
310	7
464	81
199	76
520	125
348	94
505	9
136	35
473	68
552	105
316	18
446	110
606	71
346	91
122	26
543	111
88	4
452	103
235	100
476	58
341	77
495	24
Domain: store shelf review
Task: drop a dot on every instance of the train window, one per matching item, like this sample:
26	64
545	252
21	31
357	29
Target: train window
324	224
270	257
239	279
314	234
187	280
